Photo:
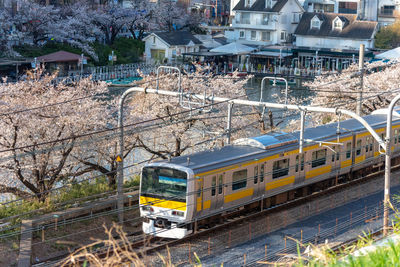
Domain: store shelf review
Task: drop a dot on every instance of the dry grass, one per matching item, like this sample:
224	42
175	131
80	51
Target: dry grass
118	252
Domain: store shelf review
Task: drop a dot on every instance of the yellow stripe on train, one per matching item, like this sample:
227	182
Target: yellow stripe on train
318	171
239	195
279	183
163	203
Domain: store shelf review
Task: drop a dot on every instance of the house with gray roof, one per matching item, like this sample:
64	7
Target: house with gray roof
334	30
165	47
332	40
265	22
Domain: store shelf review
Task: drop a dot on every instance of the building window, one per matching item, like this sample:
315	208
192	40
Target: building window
296	17
387	10
265	19
337	24
154	39
315	23
265	36
280	168
239	179
241	35
253	35
268	3
283	36
318	158
245	18
248	2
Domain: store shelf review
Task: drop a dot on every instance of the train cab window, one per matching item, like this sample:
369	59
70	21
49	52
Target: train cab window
213	185
297	163
318	158
239	179
348	150
302	163
280	168
395	136
262	173
358	148
255	174
220	181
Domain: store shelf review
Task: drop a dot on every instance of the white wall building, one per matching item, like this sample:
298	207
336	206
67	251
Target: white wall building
334	31
383	11
265	22
161	46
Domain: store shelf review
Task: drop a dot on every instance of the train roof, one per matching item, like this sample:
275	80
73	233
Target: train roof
248	149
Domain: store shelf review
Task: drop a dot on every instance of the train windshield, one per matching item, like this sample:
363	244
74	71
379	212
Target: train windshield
164	182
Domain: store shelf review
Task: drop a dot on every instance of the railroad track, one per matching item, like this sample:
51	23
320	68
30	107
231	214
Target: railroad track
146	245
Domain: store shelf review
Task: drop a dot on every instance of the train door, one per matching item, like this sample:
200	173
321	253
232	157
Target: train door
261	179
369	151
299	168
199	195
220	190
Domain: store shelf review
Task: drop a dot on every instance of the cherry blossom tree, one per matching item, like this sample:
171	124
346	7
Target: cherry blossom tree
179	130
76	28
39	144
381	84
36	21
169	13
141	18
110	20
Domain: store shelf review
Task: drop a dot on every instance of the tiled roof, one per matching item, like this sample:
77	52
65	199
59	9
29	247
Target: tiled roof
259	5
352	28
60	56
177	37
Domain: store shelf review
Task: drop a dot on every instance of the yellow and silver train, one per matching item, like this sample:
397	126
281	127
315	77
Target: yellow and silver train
266	170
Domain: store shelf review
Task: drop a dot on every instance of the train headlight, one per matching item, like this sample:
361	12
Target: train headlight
178	213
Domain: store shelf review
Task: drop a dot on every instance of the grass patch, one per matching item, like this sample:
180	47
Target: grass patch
76	193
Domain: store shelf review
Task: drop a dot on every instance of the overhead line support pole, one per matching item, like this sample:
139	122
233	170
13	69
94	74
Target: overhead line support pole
120	166
388	155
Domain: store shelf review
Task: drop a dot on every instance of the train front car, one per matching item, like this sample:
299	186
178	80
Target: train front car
165	200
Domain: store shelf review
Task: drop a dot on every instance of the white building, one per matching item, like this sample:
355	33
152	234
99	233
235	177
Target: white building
165	47
335	31
383	11
265	22
332	40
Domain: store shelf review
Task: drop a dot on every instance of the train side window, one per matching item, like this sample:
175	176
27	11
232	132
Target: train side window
358	149
302	163
395	136
262	173
220	181
280	168
371	143
213	185
367	145
318	158
239	179
255	174
297	163
348	150
333	153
